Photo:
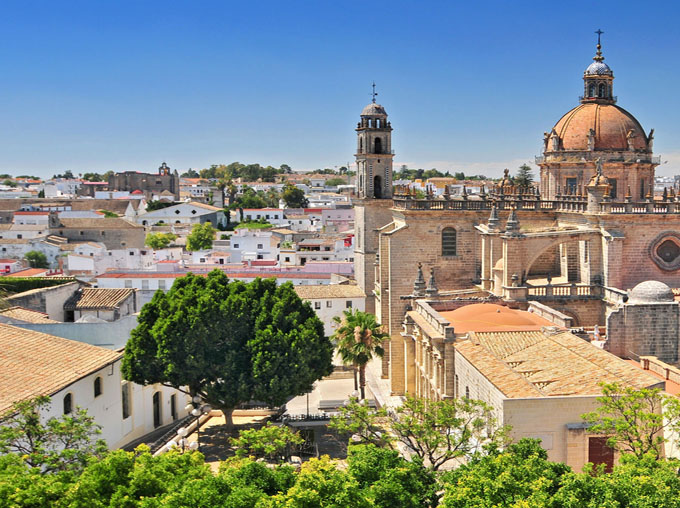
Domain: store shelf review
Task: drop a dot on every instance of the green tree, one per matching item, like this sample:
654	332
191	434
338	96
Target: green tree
229	342
434	431
271	442
201	237
158	241
524	176
190	173
152	206
285	168
359	339
294	197
10	183
634	419
334	182
41	193
36	259
250	199
520	477
58	444
109	214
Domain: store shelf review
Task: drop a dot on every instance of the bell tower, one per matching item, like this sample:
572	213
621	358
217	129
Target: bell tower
374	152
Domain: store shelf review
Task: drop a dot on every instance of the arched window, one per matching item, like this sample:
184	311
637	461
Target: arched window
361	145
467	392
68	403
97	386
378	145
602	90
377	123
449	242
377	187
455	388
591	90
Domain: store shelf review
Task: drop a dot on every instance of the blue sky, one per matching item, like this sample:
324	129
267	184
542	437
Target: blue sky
93	86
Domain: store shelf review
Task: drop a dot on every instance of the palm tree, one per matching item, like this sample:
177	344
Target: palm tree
359	338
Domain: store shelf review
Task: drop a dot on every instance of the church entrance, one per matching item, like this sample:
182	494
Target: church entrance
377	187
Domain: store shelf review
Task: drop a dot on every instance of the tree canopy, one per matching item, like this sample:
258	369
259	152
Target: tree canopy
36	259
524	176
294	197
229	342
159	241
201	237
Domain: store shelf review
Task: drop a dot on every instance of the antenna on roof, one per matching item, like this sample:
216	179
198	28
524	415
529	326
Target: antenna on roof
374	93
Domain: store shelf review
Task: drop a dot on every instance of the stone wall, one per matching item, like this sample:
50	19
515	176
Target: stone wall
650	329
48	300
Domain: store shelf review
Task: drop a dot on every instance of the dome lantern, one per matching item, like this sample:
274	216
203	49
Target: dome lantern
598	79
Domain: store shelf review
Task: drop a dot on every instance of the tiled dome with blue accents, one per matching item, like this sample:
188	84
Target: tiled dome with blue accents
598	68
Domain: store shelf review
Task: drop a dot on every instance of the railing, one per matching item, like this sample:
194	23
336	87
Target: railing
650	207
501	202
583	156
549	291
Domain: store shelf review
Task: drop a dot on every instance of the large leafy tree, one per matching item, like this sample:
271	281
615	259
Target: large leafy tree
359	338
229	342
159	241
294	197
634	420
434	431
36	259
55	444
522	476
201	237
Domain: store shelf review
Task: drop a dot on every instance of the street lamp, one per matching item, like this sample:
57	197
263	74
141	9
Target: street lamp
197	410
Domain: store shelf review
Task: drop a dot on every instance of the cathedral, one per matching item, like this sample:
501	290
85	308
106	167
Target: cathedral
589	248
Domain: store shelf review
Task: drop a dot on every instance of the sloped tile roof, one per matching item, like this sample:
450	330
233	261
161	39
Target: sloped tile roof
99	224
543	364
34	363
26	315
97	298
329	291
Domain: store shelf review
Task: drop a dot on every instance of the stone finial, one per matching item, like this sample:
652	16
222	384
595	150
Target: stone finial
493	223
665	194
650	195
628	197
512	224
419	284
432	285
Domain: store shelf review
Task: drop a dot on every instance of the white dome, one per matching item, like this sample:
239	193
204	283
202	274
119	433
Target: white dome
651	291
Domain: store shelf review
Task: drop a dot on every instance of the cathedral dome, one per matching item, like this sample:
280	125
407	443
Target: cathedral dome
373	109
651	291
614	128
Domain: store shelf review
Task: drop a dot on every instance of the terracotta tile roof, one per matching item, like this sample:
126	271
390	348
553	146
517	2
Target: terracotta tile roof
34	363
113	223
26	315
488	317
29	272
97	298
543	364
329	291
5	261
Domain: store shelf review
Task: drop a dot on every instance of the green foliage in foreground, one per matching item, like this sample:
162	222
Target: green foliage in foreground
520	477
373	478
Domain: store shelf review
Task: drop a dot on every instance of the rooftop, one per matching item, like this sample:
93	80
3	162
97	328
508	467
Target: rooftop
329	291
26	315
546	363
489	317
97	298
34	363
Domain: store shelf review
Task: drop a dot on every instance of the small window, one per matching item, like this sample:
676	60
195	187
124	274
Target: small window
103	233
259	246
260	256
128	283
125	398
173	406
235	246
317	305
97	386
329	304
287	259
449	242
161	284
348	304
177	212
201	260
132	253
82	233
68	403
20	237
145	284
467	392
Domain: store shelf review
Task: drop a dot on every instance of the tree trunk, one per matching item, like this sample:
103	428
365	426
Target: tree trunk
356	379
362	381
228	417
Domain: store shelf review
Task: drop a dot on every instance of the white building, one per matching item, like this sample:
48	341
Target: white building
329	301
90	258
183	213
252	244
76	375
271	215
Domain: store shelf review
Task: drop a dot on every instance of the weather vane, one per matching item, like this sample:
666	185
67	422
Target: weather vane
374	93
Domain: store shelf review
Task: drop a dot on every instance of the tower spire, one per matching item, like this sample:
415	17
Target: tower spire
598	56
374	93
